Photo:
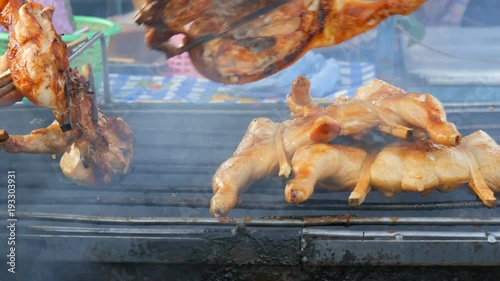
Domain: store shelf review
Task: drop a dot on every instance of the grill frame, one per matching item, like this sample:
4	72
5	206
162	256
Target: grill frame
137	223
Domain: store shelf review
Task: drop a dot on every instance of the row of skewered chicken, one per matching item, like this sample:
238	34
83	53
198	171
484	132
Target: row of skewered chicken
428	152
96	148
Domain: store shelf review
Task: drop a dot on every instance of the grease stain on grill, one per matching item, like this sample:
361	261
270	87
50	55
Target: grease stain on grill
394	220
478	247
348	258
379	257
325	220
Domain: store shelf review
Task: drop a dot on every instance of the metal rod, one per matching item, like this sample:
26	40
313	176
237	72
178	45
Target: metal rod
316	232
84	46
110	230
401	235
105	67
345	220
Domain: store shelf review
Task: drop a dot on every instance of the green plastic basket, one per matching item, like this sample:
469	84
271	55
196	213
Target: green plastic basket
93	53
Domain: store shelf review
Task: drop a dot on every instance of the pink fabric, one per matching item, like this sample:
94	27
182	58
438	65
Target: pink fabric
63	16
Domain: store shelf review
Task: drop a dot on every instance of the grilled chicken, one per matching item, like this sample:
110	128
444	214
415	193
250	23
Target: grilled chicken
31	34
420	166
267	146
97	149
94	152
246	41
100	161
49	140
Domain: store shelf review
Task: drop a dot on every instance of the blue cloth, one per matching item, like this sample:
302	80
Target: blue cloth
323	74
329	79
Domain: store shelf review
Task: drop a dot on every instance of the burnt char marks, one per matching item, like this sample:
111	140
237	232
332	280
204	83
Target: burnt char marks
290	58
257	44
151	13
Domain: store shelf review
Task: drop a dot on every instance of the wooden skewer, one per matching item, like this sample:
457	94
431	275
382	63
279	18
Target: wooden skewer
397	131
7	89
477	183
5	77
121	60
389	126
285	168
418	133
362	188
88	74
74	43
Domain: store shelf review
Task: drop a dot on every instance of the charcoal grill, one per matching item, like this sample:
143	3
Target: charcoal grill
159	213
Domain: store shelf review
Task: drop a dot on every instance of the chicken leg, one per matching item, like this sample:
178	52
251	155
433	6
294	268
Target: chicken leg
267	147
420	166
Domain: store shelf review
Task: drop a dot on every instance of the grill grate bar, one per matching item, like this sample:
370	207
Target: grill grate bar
316	232
345	220
312	204
401	235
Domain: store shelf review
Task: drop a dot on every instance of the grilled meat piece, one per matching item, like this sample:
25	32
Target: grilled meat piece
31	35
96	148
245	41
49	140
420	166
94	152
267	146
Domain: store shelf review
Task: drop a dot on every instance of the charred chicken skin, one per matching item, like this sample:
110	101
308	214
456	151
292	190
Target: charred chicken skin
420	166
94	152
245	41
96	149
267	146
38	55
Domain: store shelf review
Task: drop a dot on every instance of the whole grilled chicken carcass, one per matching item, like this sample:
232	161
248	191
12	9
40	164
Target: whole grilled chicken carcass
41	80
267	146
95	151
245	41
420	166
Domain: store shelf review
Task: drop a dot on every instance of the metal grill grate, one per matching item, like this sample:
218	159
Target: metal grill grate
162	206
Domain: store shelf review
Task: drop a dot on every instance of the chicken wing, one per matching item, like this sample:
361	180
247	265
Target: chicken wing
421	166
